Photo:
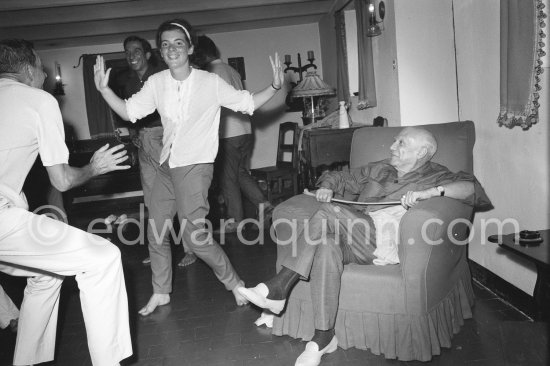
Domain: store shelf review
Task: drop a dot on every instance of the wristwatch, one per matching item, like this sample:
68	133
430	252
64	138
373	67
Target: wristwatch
441	190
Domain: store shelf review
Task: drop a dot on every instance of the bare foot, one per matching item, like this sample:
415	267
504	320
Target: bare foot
187	260
154	301
240	299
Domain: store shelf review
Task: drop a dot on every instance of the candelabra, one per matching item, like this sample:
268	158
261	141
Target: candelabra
300	69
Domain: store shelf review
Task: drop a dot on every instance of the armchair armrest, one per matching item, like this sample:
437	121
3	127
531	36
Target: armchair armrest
432	249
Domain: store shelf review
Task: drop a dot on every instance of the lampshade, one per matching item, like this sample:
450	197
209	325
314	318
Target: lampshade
312	86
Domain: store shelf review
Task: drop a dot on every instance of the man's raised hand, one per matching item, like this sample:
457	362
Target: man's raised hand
101	78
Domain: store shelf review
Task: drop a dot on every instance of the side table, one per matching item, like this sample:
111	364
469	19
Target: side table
538	254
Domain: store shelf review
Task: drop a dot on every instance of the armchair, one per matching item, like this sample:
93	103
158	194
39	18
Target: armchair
410	310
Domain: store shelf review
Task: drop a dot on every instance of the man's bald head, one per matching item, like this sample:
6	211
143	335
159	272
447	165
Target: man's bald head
413	147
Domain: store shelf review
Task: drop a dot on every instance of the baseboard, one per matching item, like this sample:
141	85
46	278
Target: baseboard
508	292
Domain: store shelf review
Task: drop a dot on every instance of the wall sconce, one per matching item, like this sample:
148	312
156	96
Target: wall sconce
295	105
58	90
374	29
300	69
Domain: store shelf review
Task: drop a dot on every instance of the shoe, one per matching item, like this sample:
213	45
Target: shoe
258	296
266	319
312	356
146	260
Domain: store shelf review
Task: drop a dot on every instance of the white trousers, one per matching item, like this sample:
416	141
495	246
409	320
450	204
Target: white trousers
8	310
46	250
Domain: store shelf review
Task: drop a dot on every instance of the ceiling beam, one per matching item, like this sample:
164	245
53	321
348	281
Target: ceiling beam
203	19
206	29
135	8
38	4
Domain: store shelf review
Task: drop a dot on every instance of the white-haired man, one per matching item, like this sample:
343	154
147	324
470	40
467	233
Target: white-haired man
408	176
43	249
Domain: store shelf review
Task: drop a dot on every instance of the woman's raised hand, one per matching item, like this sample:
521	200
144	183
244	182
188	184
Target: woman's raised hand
101	78
278	73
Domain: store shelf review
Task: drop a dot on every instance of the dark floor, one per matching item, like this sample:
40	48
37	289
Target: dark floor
203	326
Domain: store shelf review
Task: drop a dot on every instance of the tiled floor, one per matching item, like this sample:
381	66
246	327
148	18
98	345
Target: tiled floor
203	326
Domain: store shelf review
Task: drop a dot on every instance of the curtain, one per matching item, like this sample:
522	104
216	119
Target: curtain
367	88
521	23
342	58
100	119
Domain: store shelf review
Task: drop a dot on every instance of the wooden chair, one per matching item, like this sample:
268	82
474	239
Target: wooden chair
282	179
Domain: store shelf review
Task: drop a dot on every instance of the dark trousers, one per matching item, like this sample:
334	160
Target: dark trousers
234	178
334	236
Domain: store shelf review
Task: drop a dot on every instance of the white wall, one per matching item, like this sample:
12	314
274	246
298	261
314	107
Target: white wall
254	45
512	164
426	64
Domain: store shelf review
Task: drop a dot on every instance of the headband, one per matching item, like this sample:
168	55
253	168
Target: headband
184	31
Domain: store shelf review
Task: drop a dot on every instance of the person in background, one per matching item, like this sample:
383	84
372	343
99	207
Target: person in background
188	101
236	143
142	64
41	248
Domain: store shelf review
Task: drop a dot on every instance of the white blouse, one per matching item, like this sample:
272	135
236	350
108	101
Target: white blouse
190	113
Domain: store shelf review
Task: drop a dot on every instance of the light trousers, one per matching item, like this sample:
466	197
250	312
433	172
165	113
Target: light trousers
150	139
8	310
184	190
336	236
46	250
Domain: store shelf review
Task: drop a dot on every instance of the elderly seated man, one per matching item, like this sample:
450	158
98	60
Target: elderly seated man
407	177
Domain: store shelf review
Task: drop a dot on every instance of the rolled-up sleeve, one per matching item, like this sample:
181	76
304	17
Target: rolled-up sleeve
51	135
236	100
143	103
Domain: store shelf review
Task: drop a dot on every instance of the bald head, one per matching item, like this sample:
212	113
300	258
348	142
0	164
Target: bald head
424	138
413	147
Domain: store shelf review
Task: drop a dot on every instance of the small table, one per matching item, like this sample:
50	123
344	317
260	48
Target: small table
540	255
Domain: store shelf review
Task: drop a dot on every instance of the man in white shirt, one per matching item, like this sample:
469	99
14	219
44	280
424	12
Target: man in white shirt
43	249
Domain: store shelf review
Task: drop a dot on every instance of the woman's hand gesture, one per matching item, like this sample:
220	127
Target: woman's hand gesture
278	73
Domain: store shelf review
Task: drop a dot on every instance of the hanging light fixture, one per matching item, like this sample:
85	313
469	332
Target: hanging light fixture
374	29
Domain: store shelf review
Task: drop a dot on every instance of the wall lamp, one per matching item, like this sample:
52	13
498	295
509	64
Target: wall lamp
300	69
58	90
374	29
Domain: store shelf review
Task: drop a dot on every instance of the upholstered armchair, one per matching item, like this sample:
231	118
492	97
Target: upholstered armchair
410	310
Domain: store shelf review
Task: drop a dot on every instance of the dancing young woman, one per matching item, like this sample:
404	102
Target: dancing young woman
188	101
